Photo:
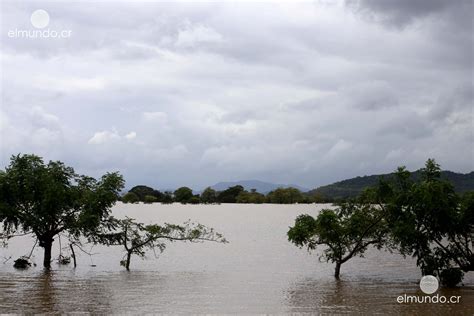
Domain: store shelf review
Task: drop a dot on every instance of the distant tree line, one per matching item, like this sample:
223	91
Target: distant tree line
234	194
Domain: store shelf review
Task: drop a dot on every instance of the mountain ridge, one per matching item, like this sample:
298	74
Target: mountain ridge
348	188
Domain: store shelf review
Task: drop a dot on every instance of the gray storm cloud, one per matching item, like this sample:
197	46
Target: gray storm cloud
195	93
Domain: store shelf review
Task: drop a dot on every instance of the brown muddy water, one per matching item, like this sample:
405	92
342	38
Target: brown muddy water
259	271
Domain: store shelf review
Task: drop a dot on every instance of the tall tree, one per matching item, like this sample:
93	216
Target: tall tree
48	199
130	197
142	191
251	197
183	195
285	196
209	196
347	231
429	221
230	194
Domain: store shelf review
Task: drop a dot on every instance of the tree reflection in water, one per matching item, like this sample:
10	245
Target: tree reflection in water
368	296
54	291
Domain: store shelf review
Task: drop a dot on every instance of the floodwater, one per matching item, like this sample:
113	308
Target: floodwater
258	271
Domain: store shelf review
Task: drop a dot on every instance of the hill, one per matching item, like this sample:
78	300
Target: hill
260	186
353	187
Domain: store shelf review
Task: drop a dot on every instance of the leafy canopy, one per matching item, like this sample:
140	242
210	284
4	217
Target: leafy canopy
429	221
209	196
346	231
183	195
47	199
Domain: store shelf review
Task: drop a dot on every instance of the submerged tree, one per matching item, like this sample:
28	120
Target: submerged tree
230	194
253	197
48	199
142	191
430	222
285	196
136	238
346	232
183	195
130	197
209	196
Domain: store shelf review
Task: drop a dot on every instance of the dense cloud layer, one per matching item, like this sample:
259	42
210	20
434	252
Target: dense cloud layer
294	92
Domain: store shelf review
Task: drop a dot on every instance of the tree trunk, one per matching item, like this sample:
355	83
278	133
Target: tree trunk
73	255
338	270
127	264
47	245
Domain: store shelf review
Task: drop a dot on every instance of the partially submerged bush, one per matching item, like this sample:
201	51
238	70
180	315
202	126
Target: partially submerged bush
64	260
130	197
194	200
150	199
451	277
22	263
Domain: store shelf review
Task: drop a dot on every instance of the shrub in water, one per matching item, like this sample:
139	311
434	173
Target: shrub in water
150	199
22	263
64	260
451	277
130	197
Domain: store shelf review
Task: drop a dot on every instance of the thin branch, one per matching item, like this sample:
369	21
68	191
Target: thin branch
31	252
125	238
80	248
359	244
449	253
14	235
172	238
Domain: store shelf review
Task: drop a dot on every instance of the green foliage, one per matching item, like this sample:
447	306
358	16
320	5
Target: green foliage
285	196
302	234
235	194
428	220
318	197
422	217
48	199
150	199
351	188
431	171
230	195
346	231
252	197
167	198
195	200
209	196
183	195
451	277
130	197
137	238
142	191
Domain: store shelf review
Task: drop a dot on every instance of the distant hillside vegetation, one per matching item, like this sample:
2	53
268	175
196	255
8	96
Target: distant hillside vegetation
260	186
353	187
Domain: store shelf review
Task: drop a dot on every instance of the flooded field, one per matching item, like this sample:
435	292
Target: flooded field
258	271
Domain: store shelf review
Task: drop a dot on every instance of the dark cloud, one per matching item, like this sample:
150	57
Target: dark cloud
459	100
401	13
199	93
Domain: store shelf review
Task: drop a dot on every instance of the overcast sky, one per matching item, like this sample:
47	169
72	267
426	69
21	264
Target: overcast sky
195	93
